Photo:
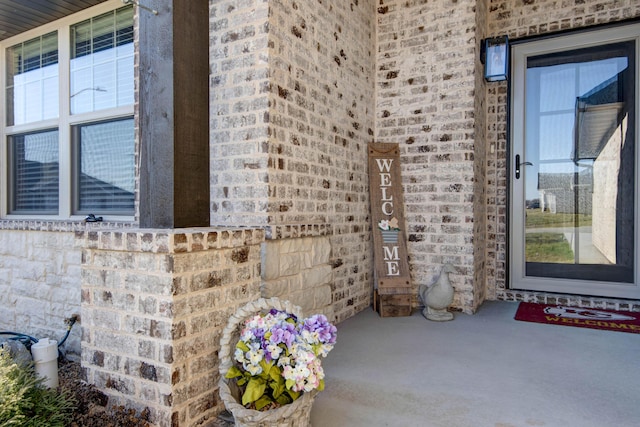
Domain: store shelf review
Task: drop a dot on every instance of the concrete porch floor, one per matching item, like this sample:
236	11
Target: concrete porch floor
484	370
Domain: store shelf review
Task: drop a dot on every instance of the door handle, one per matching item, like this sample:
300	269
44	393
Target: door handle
518	164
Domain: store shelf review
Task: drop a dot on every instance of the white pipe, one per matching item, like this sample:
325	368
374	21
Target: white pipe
45	357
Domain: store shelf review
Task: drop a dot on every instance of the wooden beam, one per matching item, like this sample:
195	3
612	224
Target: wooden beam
174	114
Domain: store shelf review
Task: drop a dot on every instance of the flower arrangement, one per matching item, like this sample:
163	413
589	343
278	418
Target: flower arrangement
389	225
278	358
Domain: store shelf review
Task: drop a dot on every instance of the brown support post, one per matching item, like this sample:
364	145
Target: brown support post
173	114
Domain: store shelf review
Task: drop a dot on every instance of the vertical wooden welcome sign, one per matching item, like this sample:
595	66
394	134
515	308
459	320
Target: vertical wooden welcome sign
392	293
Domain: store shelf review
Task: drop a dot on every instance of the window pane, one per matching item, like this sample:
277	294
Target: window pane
105	167
579	121
33	173
32	80
102	62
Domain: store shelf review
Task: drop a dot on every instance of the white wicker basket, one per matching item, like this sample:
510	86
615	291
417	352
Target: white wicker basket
296	414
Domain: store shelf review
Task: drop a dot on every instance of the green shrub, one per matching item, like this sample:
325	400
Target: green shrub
26	402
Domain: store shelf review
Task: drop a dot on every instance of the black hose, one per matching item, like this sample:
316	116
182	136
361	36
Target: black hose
27	340
18	335
70	322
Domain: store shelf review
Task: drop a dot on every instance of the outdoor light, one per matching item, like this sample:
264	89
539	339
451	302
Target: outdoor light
135	2
494	53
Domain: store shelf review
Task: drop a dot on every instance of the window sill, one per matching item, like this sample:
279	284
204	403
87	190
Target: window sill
69	225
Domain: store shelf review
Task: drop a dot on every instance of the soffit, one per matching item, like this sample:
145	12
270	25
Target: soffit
17	16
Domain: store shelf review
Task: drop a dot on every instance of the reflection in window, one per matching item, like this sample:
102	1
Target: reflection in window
579	140
33	174
102	62
32	80
105	167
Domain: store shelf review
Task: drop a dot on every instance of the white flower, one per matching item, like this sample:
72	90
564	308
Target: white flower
255	356
239	355
274	350
253	370
284	361
324	349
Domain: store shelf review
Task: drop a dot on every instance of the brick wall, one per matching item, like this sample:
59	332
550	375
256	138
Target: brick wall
239	131
322	89
452	129
292	113
425	79
519	19
482	264
154	304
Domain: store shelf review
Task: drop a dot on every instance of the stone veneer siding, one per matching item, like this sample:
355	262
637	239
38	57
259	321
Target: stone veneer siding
299	270
154	303
40	263
38	284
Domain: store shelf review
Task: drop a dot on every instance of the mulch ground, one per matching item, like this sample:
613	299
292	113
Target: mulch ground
93	408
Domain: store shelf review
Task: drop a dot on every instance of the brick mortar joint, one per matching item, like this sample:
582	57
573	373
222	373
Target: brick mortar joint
61	226
171	241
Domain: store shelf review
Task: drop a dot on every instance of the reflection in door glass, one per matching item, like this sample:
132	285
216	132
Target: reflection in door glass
579	183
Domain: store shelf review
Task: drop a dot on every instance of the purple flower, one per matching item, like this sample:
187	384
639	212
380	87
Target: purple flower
289	316
294	346
327	333
284	332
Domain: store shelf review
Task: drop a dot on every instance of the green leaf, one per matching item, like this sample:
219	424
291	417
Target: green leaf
266	366
262	402
233	372
255	389
289	384
278	387
294	394
321	385
284	399
276	373
242	346
316	348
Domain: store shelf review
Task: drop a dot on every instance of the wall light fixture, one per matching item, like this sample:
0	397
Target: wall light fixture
494	54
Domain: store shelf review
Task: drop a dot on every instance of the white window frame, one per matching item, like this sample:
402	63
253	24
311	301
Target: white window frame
64	123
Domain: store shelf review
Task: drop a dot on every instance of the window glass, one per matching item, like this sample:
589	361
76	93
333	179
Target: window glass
74	158
102	62
105	167
32	80
574	178
33	174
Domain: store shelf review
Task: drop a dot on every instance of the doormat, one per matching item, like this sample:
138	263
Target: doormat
622	321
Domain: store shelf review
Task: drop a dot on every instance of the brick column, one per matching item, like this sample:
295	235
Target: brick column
154	304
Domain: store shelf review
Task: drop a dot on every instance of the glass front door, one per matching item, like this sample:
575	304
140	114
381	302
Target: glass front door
573	200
